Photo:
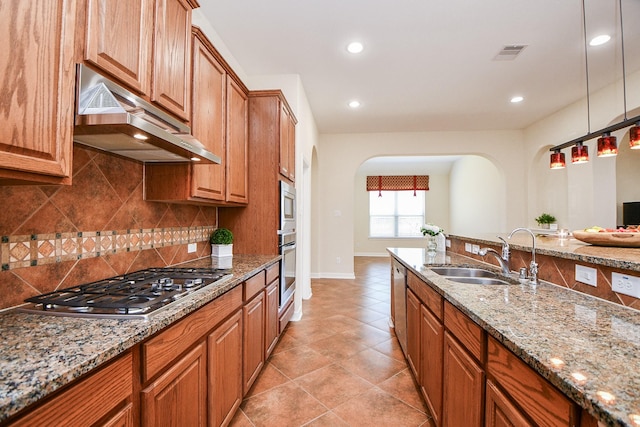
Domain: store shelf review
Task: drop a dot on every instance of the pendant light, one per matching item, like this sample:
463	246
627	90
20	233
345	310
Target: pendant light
579	153
634	136
557	160
607	145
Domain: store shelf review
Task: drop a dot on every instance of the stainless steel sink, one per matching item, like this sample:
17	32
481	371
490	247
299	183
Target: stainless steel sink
479	280
463	272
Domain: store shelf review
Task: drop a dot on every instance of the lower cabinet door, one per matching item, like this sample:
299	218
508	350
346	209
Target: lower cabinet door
500	411
253	352
463	386
413	333
271	318
432	338
179	396
225	370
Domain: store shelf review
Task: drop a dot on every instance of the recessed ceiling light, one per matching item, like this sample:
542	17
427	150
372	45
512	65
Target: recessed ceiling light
354	104
598	40
516	99
355	47
140	136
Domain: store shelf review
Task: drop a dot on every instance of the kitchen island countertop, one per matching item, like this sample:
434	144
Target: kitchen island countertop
41	353
587	347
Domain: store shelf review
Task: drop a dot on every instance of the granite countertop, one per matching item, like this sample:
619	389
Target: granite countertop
587	347
569	248
60	349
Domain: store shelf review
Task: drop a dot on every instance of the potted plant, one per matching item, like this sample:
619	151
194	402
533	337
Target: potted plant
221	243
545	220
432	231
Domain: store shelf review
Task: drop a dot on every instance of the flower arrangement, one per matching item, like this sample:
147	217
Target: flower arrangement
431	230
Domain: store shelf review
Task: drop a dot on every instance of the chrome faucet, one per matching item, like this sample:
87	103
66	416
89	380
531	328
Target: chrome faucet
533	267
503	259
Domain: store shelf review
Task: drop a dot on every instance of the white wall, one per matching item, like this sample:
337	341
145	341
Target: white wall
478	197
340	156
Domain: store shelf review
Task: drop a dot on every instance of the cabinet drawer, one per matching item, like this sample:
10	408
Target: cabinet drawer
465	330
430	298
273	272
169	344
253	285
86	402
535	395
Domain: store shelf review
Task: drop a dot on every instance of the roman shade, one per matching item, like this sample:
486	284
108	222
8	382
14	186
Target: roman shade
397	183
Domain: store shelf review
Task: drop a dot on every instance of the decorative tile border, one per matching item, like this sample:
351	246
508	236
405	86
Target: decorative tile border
38	249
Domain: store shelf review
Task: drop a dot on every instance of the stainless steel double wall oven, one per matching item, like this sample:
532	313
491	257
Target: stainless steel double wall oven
287	242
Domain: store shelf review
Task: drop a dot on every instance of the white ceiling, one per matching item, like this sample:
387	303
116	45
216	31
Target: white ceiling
428	65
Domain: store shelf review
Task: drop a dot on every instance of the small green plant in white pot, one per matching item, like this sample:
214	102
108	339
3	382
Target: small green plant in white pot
221	243
546	221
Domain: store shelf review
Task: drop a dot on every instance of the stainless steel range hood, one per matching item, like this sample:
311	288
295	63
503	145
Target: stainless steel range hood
113	119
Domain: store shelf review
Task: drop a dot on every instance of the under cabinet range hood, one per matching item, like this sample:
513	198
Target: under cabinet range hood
113	119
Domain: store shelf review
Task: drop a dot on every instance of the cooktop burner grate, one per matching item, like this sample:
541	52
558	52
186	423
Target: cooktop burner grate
133	295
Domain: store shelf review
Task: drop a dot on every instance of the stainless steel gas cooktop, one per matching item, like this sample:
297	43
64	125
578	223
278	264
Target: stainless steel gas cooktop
131	296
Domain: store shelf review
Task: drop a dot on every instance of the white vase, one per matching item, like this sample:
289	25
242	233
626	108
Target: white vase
219	251
432	244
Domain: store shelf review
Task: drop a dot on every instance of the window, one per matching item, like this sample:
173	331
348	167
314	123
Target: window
396	214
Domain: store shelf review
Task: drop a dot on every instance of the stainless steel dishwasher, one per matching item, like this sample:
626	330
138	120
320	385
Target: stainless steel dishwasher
400	303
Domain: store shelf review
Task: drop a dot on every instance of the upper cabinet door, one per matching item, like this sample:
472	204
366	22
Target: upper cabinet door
208	121
237	143
285	119
118	40
172	57
38	69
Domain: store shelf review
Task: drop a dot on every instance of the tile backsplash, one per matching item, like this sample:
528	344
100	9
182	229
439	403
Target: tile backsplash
60	236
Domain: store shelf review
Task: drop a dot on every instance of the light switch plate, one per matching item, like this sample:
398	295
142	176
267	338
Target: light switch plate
586	275
625	284
475	249
467	247
447	243
192	247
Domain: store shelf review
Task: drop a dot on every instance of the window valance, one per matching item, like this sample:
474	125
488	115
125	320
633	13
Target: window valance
398	183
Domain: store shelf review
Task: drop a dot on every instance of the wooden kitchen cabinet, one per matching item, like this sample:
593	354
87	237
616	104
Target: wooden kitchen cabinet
38	81
287	144
537	398
463	386
413	334
90	400
118	40
225	370
180	394
220	123
171	82
463	373
431	363
253	354
146	46
253	321
255	225
500	412
237	183
272	295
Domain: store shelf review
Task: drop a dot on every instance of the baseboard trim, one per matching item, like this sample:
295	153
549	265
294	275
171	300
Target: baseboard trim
372	254
348	276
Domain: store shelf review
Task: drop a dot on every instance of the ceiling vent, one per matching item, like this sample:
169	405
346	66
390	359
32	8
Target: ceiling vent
510	52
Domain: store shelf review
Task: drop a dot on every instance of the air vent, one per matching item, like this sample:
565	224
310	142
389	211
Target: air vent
509	53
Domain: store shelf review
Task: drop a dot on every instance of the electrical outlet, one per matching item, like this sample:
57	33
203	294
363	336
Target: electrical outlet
192	247
625	284
586	275
475	249
467	247
447	243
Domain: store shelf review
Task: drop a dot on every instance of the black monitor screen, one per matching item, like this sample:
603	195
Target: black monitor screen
631	213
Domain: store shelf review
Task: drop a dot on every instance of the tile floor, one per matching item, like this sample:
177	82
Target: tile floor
341	365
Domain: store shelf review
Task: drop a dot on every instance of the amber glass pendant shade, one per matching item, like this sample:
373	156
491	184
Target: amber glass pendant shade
607	146
634	137
557	160
579	153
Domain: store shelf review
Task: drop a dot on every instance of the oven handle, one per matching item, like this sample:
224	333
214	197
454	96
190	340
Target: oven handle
288	247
